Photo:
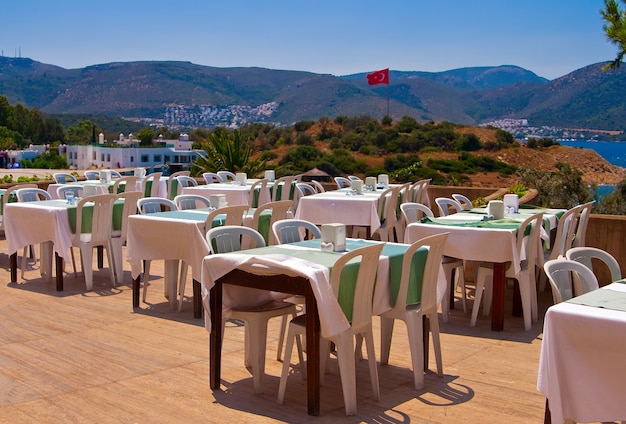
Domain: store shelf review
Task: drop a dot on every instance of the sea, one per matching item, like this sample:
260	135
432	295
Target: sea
613	151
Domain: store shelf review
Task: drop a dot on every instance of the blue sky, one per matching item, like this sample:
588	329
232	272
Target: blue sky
339	37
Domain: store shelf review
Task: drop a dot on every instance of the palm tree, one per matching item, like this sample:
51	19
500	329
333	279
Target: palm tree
226	154
615	30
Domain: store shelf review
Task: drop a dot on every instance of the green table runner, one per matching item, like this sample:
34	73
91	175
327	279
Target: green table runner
349	274
602	298
118	209
506	223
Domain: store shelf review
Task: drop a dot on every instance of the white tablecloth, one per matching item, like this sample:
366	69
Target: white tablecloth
234	194
338	207
103	188
582	370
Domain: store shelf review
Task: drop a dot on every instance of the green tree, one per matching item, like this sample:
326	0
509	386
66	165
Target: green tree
224	153
145	136
615	29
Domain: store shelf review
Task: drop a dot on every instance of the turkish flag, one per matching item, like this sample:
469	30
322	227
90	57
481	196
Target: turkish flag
378	77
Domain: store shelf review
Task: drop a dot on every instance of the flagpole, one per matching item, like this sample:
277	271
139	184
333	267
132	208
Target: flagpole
388	100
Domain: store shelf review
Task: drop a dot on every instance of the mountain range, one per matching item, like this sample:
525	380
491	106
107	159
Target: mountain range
186	94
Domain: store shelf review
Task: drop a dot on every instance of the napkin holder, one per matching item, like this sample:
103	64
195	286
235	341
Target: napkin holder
139	172
357	185
495	208
217	201
241	178
333	237
383	180
270	176
511	203
370	182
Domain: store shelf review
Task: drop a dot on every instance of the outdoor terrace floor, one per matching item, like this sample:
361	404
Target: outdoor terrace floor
77	356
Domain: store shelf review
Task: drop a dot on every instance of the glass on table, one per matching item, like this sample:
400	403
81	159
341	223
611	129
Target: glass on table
69	196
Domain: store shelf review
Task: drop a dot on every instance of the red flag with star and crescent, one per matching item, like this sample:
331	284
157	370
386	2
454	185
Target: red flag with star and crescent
378	77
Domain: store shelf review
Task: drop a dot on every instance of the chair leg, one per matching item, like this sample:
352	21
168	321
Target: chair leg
480	285
434	331
282	386
371	359
146	277
347	371
86	254
386	332
257	341
181	285
415	329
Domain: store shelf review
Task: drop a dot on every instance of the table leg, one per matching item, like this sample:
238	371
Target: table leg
313	355
59	270
197	300
426	339
13	265
517	300
215	338
547	416
497	302
136	290
100	251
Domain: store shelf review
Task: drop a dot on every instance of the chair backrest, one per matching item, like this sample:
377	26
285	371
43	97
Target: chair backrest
285	187
388	206
10	196
76	189
569	278
585	256
259	193
130	208
186	181
212	177
465	202
318	186
420	190
583	221
343	182
172	189
428	298
32	194
229	238
191	201
226	176
364	287
280	210
565	231
123	184
155	177
101	218
306	189
444	204
92	175
413	212
233	215
292	230
147	205
62	178
115	174
528	241
353	178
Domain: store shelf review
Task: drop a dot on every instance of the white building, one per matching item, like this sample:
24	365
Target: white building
128	154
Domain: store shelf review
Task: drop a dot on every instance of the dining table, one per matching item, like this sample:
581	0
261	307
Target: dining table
50	223
300	268
175	236
473	236
343	206
105	187
233	192
581	366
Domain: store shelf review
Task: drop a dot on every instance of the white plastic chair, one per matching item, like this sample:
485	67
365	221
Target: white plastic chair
154	187
293	230
318	186
9	195
212	177
413	212
412	314
77	190
32	194
353	178
527	246
343	182
285	187
569	278
259	193
118	237
92	175
585	255
128	183
100	235
444	204
280	210
583	222
420	191
186	181
63	178
226	176
306	189
229	239
360	326
148	205
115	174
171	191
465	202
191	201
